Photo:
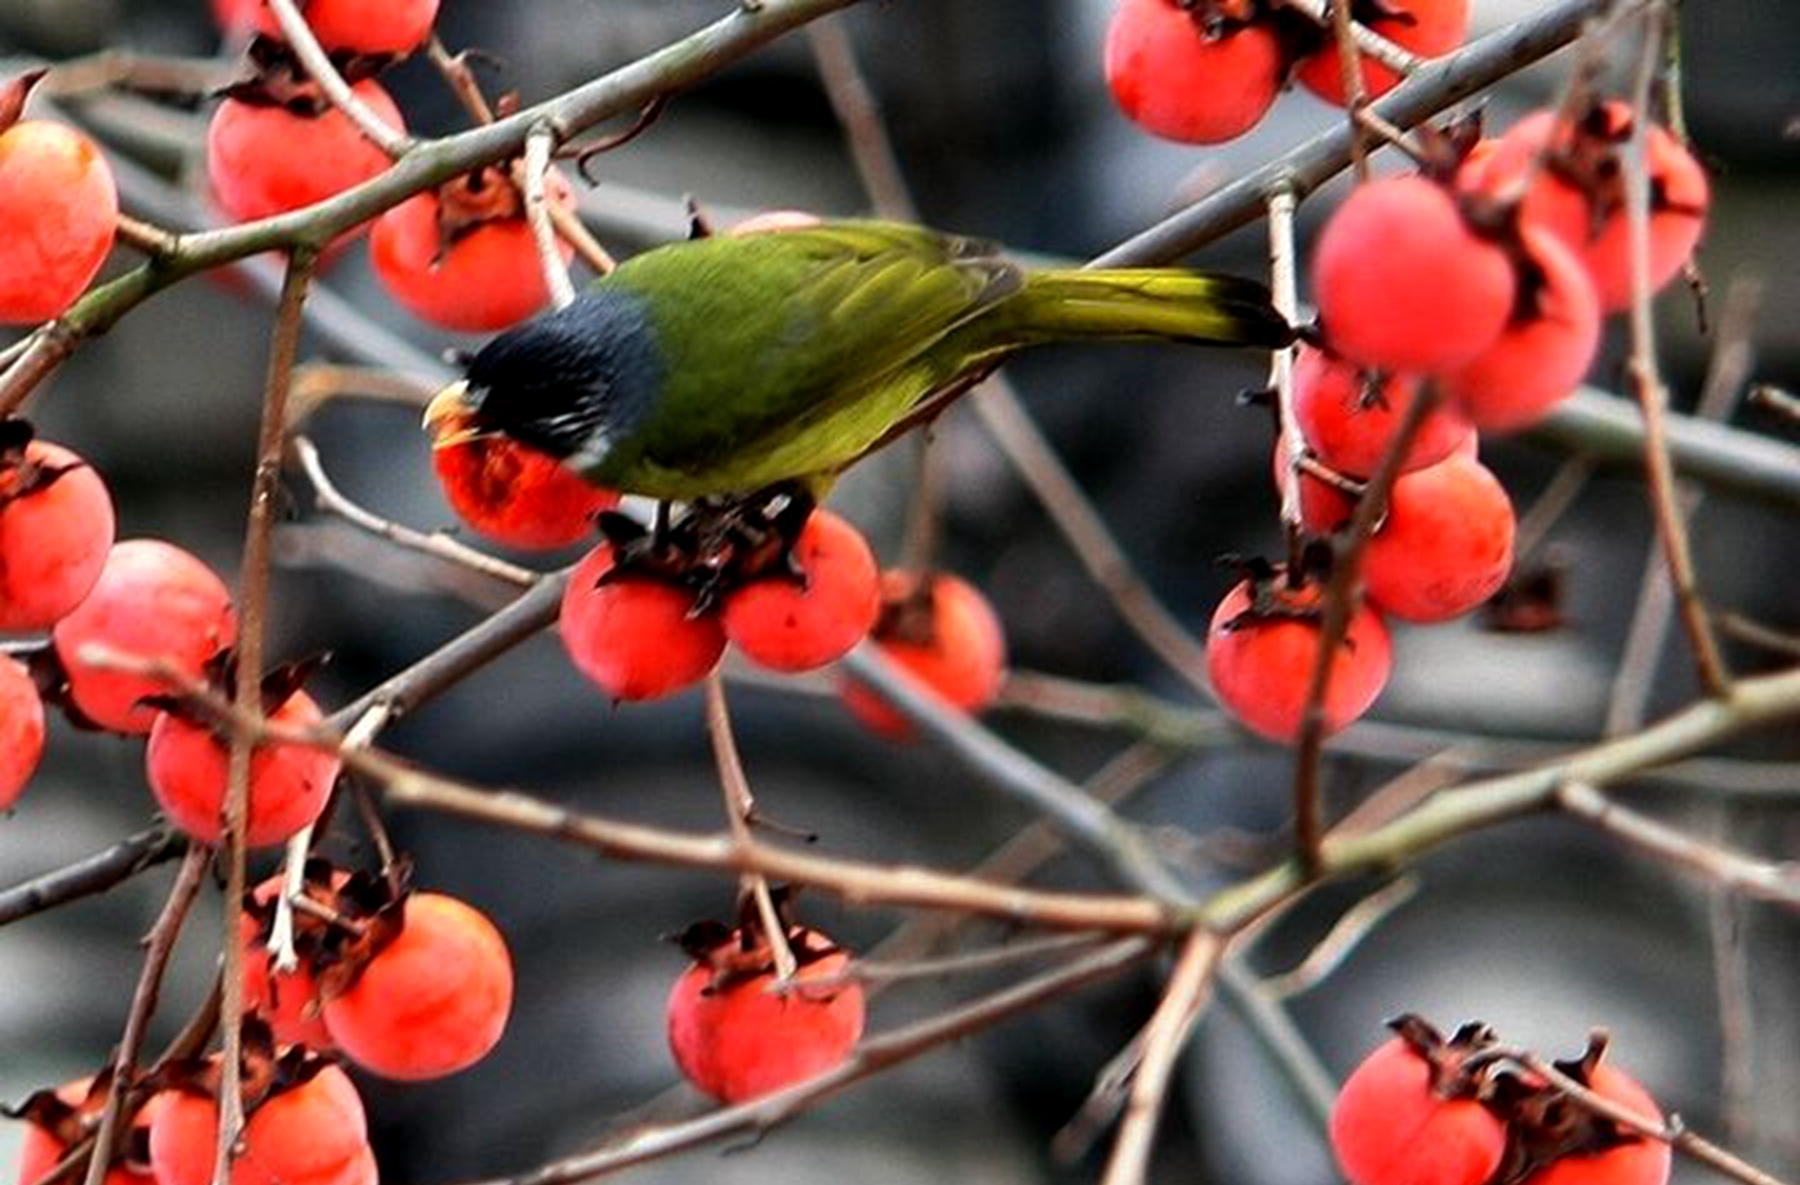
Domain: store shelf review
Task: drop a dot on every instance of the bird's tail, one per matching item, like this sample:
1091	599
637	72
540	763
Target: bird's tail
1153	303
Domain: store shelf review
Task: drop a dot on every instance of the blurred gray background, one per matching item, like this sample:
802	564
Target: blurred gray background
1005	129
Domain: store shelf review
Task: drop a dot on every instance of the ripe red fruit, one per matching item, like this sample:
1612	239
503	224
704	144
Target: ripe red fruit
431	1002
798	622
55	1120
1347	418
59	210
287	1000
152	601
736	1034
1445	545
635	636
1579	194
21	730
1400	1119
1403	283
940	630
56	524
516	495
351	26
1429	28
186	764
1637	1161
268	159
462	256
313	1132
1260	651
1174	79
1540	357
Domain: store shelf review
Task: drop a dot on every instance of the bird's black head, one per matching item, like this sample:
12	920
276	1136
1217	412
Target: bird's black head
570	382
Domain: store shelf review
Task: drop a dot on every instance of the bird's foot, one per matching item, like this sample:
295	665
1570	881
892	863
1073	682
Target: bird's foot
716	544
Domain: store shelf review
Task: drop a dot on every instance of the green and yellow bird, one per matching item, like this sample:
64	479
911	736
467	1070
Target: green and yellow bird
721	366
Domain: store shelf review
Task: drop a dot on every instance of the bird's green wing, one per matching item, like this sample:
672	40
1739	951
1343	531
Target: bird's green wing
792	350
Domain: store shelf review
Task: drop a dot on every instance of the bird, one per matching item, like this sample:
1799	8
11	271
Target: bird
722	366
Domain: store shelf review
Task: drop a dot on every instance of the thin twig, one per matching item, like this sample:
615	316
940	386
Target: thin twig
1355	924
330	500
1350	76
1338	604
1743	629
1284	293
92	875
317	63
157	948
1732	360
538	147
740	806
1183	1000
1397	58
1728	869
253	601
1652	395
1775	400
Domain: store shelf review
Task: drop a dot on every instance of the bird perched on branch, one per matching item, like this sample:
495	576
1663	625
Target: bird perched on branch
721	366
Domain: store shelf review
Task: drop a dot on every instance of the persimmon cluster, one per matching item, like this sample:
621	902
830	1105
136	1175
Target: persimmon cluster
648	613
1206	71
1481	284
1424	1109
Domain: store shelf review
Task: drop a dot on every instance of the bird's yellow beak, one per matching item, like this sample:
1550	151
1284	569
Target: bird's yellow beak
447	417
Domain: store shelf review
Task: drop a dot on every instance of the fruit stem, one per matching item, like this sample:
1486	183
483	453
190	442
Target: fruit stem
299	36
740	807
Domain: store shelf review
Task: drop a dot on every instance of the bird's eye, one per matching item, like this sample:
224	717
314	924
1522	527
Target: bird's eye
458	357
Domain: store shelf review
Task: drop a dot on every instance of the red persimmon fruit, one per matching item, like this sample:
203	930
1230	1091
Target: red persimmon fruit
939	629
1177	80
186	764
349	26
59	211
1404	284
153	601
56	526
265	158
1542	354
1260	650
1428	28
21	730
803	620
1579	192
1405	1117
1633	1160
635	636
433	1001
462	256
1445	545
313	1132
736	1033
1348	415
71	1113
